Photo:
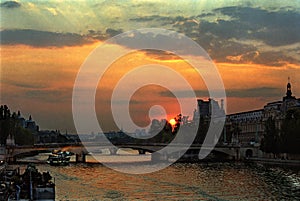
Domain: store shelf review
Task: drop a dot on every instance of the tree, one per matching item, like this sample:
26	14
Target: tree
162	131
290	132
155	127
24	137
202	130
167	134
178	122
9	125
271	141
235	132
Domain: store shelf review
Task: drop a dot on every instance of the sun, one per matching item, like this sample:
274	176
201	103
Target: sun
172	122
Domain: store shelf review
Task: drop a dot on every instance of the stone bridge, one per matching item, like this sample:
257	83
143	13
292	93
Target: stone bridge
226	151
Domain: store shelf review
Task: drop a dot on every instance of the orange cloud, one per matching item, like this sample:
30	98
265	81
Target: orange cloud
40	81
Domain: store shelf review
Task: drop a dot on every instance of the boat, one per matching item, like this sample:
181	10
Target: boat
32	185
5	181
59	158
2	155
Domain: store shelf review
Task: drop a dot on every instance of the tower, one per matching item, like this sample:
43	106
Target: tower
288	99
289	89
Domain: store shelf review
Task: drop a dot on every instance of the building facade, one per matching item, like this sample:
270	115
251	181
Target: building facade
207	108
245	127
249	127
28	124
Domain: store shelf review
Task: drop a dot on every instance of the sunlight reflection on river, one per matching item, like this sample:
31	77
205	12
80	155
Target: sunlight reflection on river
180	181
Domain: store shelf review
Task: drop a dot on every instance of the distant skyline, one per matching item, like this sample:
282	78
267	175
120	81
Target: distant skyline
255	46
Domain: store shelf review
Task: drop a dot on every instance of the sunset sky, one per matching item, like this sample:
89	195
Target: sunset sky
255	45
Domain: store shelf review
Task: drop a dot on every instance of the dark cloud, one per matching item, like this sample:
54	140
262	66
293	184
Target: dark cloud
220	38
50	95
237	93
113	32
160	55
270	58
254	92
41	38
24	85
225	29
99	35
163	20
10	4
96	35
159	40
121	102
205	15
273	27
184	94
221	48
150	18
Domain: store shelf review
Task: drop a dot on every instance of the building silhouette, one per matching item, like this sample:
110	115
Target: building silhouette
249	127
29	124
207	108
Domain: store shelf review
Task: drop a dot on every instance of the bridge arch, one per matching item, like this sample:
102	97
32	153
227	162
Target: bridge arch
249	153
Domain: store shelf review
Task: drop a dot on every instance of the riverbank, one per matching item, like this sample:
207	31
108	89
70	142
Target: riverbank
275	162
146	159
206	181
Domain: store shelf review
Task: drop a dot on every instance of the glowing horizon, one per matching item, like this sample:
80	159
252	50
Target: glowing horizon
44	46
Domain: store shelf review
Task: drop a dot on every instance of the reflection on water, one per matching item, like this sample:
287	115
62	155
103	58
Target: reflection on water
181	181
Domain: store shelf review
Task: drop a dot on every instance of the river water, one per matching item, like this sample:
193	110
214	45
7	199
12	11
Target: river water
180	181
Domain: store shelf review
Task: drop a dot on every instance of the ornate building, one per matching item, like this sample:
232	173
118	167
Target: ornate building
248	127
28	124
245	127
206	108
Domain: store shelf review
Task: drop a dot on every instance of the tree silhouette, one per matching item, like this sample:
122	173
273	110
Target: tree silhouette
6	124
178	119
202	130
9	125
290	132
271	141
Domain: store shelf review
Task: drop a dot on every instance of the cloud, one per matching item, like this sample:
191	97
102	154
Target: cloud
99	35
237	93
148	18
163	20
41	38
113	32
221	33
10	4
23	84
184	94
50	95
123	102
273	27
222	38
159	40
254	92
161	55
269	58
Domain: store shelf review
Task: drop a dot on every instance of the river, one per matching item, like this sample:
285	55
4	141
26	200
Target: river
180	181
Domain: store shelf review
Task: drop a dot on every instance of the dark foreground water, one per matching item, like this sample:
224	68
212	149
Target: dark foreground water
180	181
